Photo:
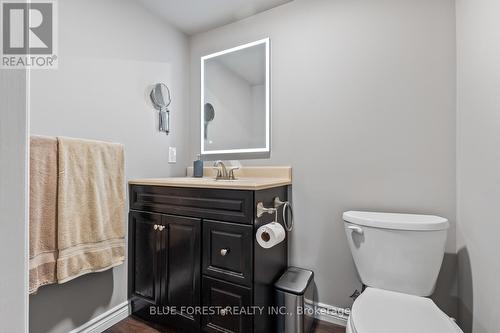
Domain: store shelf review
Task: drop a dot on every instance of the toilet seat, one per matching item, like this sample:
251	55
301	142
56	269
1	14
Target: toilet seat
382	311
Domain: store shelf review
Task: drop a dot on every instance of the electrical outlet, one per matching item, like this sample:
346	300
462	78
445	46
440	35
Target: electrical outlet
172	155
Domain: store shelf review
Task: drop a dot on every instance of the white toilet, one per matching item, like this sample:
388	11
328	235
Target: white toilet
398	257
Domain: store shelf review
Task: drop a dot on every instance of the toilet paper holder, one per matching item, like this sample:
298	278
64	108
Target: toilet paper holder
261	209
287	207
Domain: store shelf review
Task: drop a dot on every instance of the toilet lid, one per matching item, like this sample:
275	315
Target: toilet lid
381	311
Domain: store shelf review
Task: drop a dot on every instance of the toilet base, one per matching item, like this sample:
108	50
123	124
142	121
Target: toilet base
348	328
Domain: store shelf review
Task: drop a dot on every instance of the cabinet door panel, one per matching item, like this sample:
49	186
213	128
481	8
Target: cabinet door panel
145	248
182	265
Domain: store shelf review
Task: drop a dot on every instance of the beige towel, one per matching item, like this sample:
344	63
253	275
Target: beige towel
91	204
43	212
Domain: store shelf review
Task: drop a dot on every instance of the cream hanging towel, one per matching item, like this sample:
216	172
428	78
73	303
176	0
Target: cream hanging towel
43	212
91	204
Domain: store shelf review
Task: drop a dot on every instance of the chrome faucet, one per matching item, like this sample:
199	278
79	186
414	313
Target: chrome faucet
223	173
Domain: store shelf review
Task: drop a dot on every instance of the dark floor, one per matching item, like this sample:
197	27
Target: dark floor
132	325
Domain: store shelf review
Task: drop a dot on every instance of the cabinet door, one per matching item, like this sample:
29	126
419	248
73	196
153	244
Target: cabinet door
144	253
181	267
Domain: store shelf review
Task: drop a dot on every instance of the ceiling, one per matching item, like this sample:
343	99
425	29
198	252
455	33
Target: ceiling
195	16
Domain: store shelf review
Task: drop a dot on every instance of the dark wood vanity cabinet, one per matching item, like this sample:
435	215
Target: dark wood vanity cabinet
196	248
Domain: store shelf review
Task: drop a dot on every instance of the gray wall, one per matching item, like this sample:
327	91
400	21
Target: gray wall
13	203
478	51
363	108
111	52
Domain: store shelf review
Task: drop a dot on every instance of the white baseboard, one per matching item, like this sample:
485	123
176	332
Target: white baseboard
332	314
324	312
105	320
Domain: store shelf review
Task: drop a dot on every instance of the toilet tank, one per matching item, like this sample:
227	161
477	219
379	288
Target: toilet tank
397	252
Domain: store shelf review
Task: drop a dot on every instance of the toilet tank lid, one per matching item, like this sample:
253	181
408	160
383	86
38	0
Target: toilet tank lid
397	221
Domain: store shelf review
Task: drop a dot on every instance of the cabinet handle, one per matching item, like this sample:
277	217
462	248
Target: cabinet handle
224	252
156	226
161	227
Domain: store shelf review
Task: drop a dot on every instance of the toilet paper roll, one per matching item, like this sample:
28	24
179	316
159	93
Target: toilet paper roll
270	235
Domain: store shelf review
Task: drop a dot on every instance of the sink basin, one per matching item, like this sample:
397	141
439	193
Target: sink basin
233	180
193	180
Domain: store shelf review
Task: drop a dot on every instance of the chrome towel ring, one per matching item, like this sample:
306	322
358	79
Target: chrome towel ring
287	207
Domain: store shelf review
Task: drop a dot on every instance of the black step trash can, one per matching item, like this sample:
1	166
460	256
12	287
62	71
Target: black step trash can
295	301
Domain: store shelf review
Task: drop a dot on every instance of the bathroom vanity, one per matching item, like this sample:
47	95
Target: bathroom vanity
193	251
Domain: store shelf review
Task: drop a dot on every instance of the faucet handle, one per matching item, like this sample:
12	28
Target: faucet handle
231	173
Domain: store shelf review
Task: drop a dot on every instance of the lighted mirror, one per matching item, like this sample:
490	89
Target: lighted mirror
235	111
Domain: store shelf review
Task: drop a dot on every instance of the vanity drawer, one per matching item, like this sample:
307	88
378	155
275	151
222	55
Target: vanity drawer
225	205
228	251
230	297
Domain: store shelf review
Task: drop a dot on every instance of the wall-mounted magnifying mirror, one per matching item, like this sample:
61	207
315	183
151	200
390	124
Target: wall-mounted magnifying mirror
160	96
235	110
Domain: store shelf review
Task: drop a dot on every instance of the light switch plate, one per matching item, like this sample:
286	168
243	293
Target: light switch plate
172	155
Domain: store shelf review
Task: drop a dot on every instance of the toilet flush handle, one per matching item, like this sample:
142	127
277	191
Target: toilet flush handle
356	229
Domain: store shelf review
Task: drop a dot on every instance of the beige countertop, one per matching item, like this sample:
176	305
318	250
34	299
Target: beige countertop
248	178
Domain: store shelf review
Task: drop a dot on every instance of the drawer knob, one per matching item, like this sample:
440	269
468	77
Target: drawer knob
161	227
224	252
155	227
